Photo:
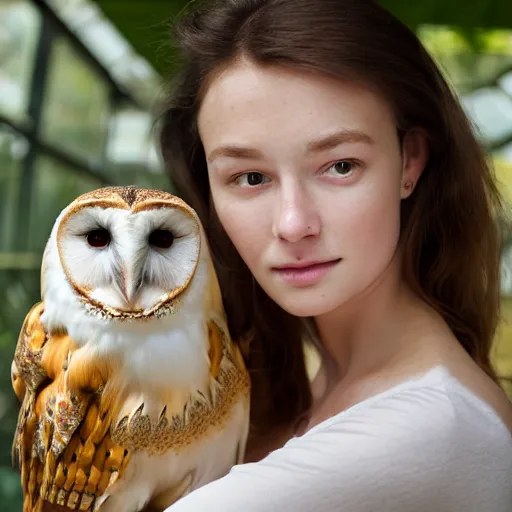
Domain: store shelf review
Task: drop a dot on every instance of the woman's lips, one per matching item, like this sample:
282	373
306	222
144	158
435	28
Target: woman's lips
306	274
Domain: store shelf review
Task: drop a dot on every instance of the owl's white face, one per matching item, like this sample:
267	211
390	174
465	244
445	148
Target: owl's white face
128	257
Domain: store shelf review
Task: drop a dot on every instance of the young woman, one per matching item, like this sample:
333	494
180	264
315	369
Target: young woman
348	203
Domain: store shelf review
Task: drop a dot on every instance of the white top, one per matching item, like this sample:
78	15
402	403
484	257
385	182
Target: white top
427	444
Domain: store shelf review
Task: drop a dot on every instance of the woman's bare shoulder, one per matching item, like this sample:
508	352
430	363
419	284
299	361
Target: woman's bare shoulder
437	346
474	379
446	351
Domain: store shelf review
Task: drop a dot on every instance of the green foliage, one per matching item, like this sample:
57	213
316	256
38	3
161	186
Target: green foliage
477	13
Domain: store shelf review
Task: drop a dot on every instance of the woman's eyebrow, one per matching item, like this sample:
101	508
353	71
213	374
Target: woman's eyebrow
328	142
232	151
336	139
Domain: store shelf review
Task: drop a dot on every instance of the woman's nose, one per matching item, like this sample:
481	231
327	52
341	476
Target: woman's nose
297	216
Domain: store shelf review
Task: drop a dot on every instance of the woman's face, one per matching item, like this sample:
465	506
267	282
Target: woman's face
306	178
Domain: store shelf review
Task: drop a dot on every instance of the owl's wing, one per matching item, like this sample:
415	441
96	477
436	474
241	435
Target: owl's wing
62	442
27	375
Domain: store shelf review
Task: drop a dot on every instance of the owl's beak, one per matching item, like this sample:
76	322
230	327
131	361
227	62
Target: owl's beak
131	291
130	286
129	295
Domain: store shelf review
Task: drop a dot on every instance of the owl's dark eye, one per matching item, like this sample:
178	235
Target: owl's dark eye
161	238
98	238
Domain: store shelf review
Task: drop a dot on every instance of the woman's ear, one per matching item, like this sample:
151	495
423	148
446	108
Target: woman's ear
414	160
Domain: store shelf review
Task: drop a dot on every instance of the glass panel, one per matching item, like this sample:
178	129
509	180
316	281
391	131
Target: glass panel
109	46
506	152
74	12
55	186
20	24
13	148
99	34
129	137
131	155
76	106
505	82
156	162
491	110
136	74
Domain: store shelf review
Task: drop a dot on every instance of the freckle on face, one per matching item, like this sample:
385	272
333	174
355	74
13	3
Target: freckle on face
279	112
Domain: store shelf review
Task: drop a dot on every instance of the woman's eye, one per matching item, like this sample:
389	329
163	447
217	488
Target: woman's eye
342	168
98	238
251	179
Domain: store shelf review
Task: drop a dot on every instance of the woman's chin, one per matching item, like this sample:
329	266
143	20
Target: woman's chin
307	306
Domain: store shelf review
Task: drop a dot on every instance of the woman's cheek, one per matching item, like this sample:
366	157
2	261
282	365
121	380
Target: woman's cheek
369	224
245	226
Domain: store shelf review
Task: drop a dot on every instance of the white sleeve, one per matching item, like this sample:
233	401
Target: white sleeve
387	454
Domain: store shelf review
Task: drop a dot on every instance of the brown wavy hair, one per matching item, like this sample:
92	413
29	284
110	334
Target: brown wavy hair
449	234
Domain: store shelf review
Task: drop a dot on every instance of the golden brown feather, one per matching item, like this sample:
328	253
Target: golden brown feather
62	443
68	445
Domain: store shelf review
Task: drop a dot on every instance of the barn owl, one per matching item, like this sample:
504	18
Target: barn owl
133	393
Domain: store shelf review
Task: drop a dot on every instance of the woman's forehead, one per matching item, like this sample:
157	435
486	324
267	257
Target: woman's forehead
251	102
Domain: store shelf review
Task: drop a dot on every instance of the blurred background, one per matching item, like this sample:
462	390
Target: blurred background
80	83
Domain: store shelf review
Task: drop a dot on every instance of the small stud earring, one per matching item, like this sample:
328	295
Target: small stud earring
409	185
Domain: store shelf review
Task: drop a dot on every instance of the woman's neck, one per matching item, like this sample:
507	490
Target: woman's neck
365	334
